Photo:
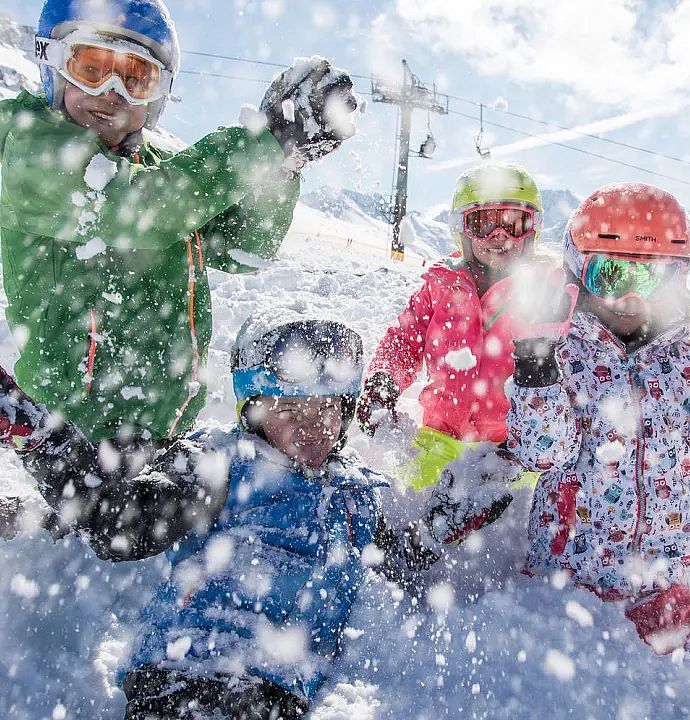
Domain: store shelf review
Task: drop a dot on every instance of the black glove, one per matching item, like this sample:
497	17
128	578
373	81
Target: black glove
308	108
543	307
471	493
380	393
158	692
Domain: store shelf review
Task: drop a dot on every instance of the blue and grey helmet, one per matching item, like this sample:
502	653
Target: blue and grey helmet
145	22
285	353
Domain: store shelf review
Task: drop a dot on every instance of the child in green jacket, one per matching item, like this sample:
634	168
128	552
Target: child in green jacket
106	237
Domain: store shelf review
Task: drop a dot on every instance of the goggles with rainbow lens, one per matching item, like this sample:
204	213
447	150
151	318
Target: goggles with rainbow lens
614	278
315	358
484	221
97	65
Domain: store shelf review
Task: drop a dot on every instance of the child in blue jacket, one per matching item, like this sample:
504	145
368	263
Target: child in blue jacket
264	526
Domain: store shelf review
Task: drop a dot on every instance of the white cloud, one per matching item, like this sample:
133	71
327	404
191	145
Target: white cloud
601	52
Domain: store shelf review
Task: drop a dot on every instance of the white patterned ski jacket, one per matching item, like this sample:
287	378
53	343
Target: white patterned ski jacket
613	437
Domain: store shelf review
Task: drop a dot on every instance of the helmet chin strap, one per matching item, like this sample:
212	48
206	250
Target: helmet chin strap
133	141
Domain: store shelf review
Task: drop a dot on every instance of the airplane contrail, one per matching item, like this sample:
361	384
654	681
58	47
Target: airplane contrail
559	136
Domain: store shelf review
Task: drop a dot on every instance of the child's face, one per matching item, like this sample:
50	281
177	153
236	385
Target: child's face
305	429
623	316
497	252
110	116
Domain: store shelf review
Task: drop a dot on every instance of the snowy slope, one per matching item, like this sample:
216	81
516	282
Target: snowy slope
421	233
17	68
360	214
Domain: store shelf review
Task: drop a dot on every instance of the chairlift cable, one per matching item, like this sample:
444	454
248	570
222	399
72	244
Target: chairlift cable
456	112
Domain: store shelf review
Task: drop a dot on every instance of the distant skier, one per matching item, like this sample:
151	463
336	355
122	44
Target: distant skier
602	406
265	526
106	236
458	325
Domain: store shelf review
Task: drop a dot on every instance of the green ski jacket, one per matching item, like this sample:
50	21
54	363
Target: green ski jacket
104	262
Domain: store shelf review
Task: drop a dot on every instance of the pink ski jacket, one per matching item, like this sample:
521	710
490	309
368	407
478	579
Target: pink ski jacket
442	320
613	507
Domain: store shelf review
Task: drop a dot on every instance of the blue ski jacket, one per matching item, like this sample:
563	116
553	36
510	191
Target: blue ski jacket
269	586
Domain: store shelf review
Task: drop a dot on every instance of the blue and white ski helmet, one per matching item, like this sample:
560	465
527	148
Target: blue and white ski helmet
146	22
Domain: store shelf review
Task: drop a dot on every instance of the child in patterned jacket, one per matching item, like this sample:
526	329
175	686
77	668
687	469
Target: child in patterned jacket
601	405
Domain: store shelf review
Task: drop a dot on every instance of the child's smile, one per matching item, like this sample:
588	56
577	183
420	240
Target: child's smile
498	251
109	115
624	316
304	428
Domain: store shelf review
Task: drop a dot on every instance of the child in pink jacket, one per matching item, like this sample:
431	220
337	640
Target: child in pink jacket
458	323
604	411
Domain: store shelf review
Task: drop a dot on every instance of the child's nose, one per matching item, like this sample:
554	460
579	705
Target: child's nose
309	417
114	98
632	303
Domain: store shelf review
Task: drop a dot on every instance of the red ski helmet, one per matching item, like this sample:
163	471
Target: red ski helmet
628	219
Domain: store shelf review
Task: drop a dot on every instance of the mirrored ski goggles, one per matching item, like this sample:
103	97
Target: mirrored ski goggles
614	278
97	66
322	358
483	221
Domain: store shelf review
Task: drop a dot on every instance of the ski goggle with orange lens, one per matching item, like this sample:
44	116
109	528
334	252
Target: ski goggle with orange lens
484	221
97	66
615	278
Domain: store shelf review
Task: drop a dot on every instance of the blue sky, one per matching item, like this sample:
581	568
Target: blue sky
617	69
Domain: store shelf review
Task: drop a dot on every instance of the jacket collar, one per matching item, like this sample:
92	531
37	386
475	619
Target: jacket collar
587	327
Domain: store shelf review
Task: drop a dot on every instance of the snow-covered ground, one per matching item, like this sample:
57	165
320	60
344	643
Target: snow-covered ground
488	643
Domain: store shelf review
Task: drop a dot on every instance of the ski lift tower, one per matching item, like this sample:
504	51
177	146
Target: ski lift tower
411	95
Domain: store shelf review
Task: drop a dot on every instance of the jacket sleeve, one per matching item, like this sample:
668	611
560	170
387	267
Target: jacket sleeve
60	182
253	228
128	513
543	429
400	353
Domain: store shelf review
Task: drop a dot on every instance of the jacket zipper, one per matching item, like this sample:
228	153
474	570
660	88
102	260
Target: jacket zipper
193	385
633	378
91	357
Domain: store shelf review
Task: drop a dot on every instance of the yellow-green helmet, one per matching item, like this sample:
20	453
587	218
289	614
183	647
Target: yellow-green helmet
494	183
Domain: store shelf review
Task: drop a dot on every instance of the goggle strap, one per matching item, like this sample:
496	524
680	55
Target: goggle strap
49	51
260	380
